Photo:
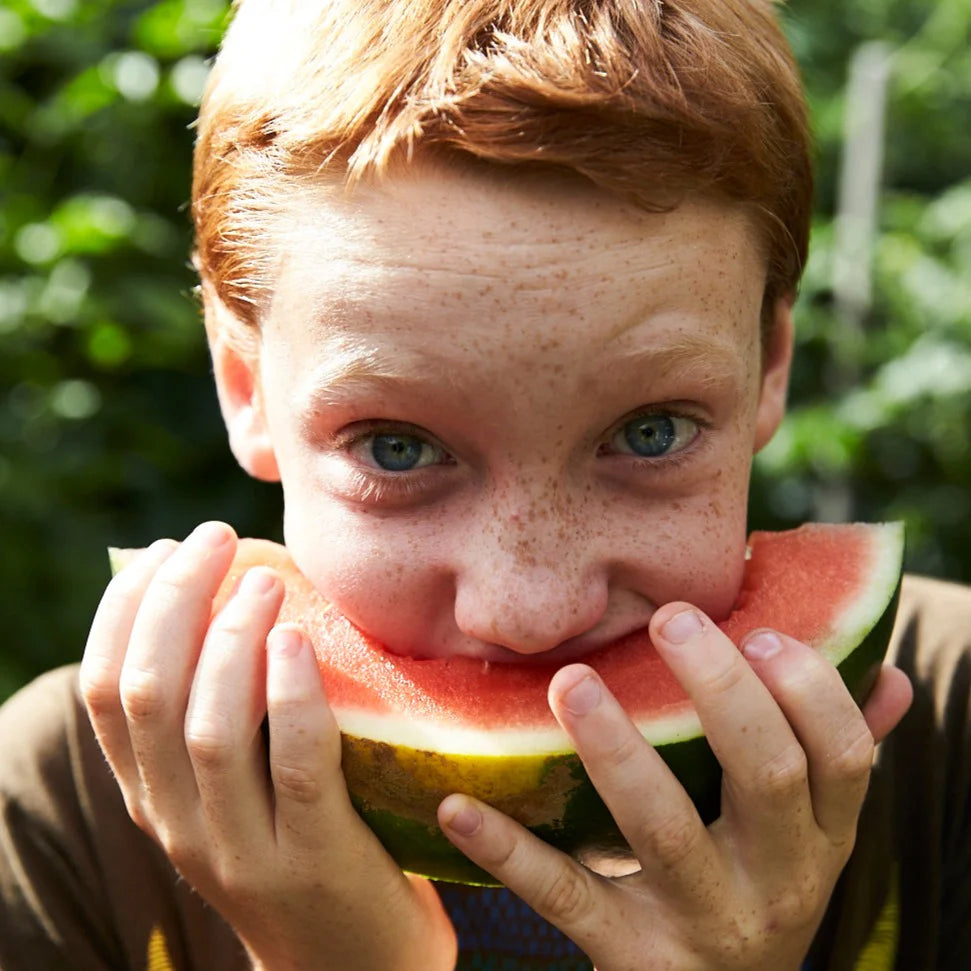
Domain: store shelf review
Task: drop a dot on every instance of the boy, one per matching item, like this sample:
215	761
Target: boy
500	292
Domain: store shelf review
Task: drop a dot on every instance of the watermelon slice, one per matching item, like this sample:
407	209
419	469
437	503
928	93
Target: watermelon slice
415	730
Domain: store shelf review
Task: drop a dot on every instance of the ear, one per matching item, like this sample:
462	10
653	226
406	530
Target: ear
236	370
775	373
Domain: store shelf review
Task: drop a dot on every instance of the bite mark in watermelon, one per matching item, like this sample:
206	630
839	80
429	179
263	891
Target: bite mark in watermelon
415	730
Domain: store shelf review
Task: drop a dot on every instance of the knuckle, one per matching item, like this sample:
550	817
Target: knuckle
792	907
732	943
842	847
626	751
231	624
727	679
296	783
143	696
306	735
209	745
751	930
122	587
675	839
171	585
177	581
502	858
568	899
99	691
784	775
855	759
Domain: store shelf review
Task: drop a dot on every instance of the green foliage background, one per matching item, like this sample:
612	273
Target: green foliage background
109	431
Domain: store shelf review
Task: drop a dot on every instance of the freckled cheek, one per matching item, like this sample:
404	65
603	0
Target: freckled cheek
379	573
376	574
724	532
703	541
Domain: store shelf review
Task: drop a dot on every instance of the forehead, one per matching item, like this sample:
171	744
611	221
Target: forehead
490	255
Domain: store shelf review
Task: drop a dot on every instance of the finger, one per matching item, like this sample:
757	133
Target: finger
830	727
889	700
305	749
157	673
104	655
558	888
226	707
649	805
765	787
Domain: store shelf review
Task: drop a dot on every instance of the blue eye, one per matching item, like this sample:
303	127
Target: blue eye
397	451
651	436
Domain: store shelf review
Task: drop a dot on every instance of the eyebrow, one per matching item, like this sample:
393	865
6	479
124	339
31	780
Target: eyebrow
703	358
352	366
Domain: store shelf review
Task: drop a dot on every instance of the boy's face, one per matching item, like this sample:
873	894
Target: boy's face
511	416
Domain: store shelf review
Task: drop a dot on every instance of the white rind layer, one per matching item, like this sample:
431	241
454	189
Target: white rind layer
447	739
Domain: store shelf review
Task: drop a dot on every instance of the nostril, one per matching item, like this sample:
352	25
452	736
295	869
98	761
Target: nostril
528	612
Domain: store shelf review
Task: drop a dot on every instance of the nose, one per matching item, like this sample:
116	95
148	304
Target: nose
527	605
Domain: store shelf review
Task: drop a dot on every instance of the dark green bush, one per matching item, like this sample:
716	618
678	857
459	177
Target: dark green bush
109	431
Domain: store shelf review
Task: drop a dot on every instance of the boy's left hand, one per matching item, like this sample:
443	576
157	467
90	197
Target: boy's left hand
747	892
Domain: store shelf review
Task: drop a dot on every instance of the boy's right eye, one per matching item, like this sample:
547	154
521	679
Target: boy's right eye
392	451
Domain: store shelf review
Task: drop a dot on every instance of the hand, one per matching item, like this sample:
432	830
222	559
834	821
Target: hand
177	699
749	891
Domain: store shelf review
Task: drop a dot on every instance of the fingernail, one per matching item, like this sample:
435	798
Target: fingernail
257	582
761	645
209	535
466	821
583	697
285	642
683	626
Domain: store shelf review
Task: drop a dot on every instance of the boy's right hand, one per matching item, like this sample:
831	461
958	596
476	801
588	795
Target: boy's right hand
270	839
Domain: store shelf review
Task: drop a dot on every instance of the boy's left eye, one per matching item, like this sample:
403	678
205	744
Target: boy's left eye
654	435
396	451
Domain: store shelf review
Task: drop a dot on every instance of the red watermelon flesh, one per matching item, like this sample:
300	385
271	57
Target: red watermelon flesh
806	582
416	729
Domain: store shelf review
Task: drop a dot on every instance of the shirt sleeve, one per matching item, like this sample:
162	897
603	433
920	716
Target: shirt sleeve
51	898
904	899
942	665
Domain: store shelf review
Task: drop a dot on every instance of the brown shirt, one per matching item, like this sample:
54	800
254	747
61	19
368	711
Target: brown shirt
81	887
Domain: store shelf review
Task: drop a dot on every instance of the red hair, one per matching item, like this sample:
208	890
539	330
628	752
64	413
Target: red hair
648	99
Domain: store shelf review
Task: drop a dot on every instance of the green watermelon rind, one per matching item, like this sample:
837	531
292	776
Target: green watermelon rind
586	826
423	849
